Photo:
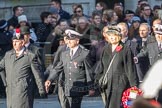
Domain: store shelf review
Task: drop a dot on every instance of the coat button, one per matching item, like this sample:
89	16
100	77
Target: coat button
70	79
70	73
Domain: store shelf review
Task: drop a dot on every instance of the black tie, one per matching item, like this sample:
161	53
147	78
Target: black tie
71	53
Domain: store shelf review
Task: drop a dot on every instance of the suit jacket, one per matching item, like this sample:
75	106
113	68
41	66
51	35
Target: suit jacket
20	74
76	72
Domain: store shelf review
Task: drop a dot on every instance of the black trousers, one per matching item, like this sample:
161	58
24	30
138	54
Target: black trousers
74	102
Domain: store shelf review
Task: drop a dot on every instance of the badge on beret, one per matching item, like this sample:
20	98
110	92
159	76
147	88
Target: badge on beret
17	33
69	34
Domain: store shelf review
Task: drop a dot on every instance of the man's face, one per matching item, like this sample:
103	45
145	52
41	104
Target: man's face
128	17
17	44
98	7
158	37
105	29
147	11
79	12
73	43
48	19
97	20
82	23
63	25
156	22
143	31
26	38
124	30
19	11
55	5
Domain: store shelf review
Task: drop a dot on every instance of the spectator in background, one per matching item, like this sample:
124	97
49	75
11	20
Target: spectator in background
79	11
63	14
13	21
109	17
95	51
96	28
83	28
44	28
138	10
119	9
73	8
129	14
156	8
55	16
22	21
73	21
133	30
147	14
57	34
100	6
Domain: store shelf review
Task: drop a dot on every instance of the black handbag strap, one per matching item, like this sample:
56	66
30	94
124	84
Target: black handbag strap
109	66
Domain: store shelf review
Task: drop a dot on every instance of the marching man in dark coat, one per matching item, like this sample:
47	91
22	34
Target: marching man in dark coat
116	66
21	67
75	66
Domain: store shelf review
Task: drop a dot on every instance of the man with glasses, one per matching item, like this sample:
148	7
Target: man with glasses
146	14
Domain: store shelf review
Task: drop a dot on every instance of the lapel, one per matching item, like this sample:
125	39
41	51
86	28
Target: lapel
29	47
22	55
77	53
67	54
13	56
155	46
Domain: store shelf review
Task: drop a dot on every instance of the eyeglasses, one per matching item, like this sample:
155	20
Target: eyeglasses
79	11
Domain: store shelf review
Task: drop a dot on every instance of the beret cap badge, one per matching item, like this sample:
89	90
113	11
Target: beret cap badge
17	33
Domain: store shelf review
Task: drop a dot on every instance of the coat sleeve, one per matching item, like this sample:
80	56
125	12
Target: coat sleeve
143	53
55	72
41	58
38	75
129	67
2	64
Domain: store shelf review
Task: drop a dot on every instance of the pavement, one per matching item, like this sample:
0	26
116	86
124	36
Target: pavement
52	102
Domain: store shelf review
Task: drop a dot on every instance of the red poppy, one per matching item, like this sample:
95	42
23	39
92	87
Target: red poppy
17	30
119	48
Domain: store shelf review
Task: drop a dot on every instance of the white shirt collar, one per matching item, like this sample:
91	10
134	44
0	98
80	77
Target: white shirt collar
21	51
144	39
27	44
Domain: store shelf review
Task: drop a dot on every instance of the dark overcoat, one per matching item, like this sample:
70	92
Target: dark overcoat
76	72
120	76
20	75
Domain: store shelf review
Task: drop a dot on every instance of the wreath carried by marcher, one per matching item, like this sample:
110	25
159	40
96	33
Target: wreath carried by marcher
129	95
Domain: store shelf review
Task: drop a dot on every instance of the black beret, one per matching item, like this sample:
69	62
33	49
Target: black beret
129	12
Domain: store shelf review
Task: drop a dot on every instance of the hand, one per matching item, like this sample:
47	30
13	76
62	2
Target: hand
47	85
135	60
43	95
91	92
